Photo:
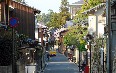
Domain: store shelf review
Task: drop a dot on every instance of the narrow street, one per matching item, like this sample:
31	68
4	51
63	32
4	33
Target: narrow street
60	64
40	36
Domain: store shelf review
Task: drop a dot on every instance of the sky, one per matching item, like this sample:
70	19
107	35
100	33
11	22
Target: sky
45	5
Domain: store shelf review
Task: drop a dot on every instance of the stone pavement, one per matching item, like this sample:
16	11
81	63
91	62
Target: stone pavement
60	64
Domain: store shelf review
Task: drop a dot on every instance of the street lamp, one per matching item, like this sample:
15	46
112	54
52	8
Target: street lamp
89	38
86	46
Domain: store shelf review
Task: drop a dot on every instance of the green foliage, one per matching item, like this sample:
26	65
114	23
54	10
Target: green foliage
74	36
64	6
87	5
81	47
79	17
45	17
49	19
100	42
92	3
64	11
56	20
59	19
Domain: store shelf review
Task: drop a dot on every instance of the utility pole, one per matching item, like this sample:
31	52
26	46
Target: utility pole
6	2
109	48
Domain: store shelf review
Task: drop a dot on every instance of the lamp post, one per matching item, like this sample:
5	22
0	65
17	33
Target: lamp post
86	46
103	52
89	39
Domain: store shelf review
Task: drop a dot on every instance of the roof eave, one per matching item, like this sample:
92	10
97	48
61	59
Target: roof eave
34	9
94	8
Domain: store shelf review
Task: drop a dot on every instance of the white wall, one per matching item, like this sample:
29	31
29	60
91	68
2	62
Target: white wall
36	33
30	69
97	22
92	23
101	23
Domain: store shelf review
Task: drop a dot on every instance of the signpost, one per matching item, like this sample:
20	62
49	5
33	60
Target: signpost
13	22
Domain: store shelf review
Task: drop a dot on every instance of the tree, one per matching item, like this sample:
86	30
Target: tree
42	18
55	20
75	36
39	18
64	12
45	18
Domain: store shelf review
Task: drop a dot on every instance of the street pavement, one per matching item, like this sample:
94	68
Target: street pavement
60	64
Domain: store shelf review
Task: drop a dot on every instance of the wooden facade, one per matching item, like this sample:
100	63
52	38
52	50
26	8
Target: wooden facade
25	15
62	47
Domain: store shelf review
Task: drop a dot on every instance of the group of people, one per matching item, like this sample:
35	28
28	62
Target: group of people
51	41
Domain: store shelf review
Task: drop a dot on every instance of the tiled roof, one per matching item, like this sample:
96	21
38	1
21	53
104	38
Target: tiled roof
79	2
94	8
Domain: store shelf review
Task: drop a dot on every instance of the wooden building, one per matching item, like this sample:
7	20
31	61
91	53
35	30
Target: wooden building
25	15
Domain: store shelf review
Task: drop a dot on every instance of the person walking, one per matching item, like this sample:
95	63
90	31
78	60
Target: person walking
48	56
83	65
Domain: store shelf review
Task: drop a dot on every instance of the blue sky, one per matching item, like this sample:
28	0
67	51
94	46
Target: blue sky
45	5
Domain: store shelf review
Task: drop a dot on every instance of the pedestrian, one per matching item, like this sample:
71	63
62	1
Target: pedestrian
48	56
83	65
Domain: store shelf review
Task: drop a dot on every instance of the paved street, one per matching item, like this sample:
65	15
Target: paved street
60	64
